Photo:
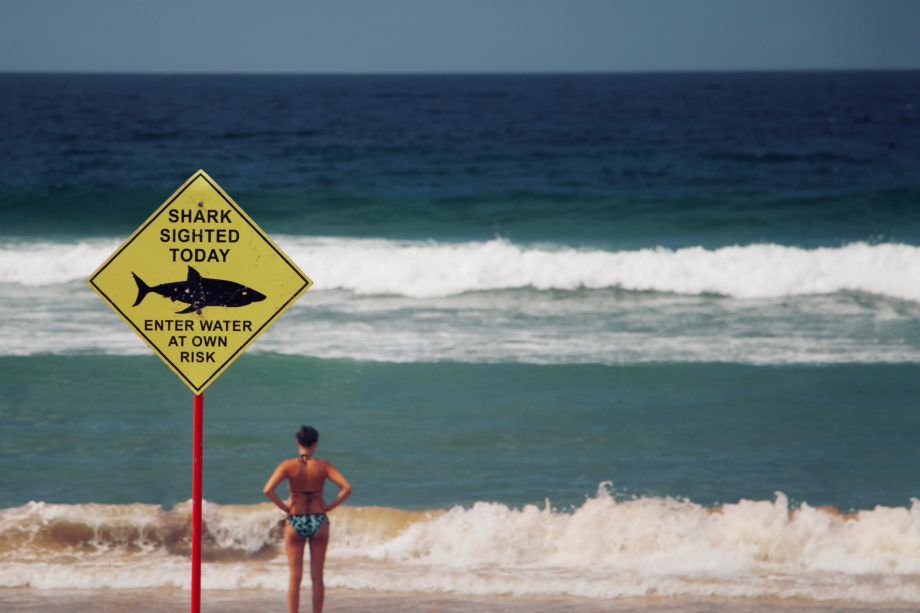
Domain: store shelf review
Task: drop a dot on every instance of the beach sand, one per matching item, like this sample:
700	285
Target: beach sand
352	601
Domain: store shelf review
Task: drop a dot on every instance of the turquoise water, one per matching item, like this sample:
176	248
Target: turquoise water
118	429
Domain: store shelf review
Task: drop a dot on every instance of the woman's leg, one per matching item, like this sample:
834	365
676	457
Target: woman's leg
294	545
317	560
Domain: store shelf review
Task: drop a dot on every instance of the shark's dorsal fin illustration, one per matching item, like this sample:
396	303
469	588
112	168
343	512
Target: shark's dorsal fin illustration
193	276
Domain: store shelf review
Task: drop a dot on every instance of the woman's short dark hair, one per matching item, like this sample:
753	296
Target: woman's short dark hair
307	435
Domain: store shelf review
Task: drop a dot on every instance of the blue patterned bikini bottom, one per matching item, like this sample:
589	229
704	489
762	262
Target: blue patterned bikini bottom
307	525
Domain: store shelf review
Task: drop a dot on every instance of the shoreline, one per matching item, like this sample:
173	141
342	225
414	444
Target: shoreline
28	600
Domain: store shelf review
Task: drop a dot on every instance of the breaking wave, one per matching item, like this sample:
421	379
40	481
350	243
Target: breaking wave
419	269
608	547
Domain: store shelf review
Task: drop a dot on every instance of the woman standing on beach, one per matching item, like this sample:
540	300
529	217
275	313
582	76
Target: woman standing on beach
306	513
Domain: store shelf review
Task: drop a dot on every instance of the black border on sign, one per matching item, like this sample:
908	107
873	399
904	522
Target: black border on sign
257	230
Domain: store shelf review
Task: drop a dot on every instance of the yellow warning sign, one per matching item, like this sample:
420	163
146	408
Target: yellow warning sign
199	281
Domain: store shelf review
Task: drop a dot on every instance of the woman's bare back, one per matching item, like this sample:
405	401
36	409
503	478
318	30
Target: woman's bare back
306	478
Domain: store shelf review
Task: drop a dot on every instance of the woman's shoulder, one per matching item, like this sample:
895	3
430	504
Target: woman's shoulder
288	464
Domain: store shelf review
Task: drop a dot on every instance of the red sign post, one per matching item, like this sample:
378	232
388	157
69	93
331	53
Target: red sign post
197	472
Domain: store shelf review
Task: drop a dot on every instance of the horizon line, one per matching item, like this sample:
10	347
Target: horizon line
423	73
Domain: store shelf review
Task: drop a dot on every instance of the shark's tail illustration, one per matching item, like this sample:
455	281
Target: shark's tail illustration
142	289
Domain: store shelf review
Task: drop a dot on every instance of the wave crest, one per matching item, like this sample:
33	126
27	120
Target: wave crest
750	271
431	269
606	548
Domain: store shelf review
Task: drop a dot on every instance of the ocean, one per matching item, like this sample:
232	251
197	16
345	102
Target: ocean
609	341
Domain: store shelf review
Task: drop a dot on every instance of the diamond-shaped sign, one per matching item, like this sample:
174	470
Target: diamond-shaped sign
199	281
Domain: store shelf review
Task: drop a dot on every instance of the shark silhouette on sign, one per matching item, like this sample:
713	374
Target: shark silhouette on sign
199	292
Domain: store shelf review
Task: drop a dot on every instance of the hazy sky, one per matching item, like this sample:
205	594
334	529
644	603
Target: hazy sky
460	35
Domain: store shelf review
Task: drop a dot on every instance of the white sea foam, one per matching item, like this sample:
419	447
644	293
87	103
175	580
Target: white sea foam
752	271
430	269
38	263
520	326
606	548
397	301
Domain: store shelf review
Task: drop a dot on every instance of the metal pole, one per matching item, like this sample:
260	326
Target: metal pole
197	462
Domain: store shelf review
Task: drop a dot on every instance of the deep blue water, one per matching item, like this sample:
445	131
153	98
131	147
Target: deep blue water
623	160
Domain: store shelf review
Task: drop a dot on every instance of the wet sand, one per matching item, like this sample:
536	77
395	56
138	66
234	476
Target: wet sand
351	601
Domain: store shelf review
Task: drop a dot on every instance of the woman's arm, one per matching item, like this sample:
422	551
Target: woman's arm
273	482
344	488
